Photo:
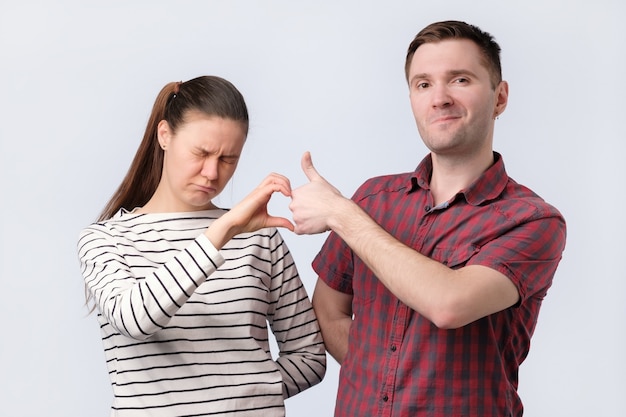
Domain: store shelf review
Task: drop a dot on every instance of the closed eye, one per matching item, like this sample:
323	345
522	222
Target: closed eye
200	153
230	159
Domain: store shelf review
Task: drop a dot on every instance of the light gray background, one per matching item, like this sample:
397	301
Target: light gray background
78	79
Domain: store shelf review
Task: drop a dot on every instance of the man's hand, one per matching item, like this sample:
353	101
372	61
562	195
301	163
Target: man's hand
313	204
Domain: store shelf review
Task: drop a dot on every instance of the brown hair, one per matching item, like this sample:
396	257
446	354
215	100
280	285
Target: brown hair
211	95
452	29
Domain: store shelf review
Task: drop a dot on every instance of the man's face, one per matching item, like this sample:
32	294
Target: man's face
452	98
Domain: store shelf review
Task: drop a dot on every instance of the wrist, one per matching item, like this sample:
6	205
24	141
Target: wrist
343	213
220	231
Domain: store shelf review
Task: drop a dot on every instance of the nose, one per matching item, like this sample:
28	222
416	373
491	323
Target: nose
210	168
441	96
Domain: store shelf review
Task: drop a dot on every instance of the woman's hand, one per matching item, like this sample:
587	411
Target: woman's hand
250	214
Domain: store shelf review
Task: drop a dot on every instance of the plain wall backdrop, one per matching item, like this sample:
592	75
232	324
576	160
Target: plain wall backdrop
77	82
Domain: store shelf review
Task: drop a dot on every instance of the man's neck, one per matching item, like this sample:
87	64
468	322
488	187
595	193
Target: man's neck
453	174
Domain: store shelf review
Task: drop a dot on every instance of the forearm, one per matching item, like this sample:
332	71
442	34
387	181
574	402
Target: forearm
336	336
136	307
334	314
389	259
448	298
302	369
302	358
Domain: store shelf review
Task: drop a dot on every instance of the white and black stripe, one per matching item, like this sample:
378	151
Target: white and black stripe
185	327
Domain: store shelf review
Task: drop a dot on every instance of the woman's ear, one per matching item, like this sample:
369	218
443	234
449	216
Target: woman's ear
164	134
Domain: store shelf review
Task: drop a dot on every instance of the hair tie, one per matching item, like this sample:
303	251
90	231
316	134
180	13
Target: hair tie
177	88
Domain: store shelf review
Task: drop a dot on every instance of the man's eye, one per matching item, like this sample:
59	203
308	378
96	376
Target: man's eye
421	86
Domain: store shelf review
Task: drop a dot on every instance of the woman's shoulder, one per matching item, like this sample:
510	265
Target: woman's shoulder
125	221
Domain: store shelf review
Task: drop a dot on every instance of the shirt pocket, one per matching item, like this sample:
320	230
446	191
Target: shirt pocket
454	257
366	286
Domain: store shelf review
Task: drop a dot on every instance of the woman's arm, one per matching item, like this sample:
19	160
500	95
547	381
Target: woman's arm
138	308
302	357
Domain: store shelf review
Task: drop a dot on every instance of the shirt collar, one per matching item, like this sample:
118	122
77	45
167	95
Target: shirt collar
487	187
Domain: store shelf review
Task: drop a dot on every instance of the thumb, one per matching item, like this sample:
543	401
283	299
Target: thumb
308	168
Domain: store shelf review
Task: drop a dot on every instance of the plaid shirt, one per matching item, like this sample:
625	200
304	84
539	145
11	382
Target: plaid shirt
398	363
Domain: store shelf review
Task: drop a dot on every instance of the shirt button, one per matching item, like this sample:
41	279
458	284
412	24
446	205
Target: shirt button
427	208
385	398
393	348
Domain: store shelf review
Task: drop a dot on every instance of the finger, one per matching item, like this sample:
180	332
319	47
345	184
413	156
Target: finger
280	222
281	187
276	183
282	177
284	185
308	168
278	178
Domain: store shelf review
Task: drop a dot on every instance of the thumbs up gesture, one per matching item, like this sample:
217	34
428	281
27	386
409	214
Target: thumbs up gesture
313	204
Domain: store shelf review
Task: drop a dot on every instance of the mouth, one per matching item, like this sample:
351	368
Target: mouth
205	188
444	119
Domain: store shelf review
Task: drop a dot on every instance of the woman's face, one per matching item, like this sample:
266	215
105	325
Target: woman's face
199	160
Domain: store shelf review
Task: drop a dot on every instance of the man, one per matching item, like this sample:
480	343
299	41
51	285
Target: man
430	282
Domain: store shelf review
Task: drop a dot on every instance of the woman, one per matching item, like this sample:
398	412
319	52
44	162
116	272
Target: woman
184	290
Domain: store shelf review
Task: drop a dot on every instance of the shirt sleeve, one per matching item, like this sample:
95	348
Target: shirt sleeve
137	307
527	254
302	356
333	264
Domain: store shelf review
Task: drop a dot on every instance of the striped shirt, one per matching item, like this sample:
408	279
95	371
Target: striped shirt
185	327
398	363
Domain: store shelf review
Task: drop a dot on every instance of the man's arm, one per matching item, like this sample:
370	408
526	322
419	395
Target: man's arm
448	298
334	314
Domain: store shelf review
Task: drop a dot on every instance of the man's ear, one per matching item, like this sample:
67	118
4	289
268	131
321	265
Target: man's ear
164	134
502	98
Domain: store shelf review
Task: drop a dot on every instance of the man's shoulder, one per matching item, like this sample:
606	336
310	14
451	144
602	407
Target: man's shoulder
525	199
385	183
